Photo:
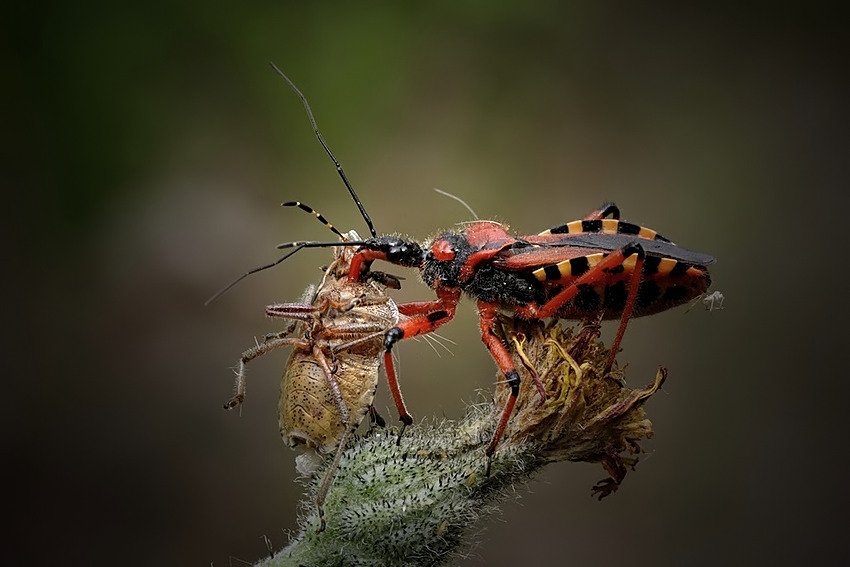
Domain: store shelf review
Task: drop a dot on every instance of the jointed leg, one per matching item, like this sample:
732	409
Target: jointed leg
487	313
422	317
330	474
395	390
332	383
345	419
611	262
272	342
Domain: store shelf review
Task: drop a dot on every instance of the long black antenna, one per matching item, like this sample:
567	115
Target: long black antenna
298	245
317	214
327	149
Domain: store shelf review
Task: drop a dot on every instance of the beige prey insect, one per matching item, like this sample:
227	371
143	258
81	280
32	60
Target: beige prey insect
330	379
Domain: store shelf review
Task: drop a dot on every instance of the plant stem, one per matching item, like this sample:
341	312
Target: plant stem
417	502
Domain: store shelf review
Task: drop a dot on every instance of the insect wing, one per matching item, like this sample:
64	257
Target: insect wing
609	242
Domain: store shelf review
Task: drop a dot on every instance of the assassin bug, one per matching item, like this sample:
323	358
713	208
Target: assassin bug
594	266
597	266
330	379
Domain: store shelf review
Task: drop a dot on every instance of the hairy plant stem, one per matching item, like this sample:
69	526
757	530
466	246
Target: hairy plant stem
418	502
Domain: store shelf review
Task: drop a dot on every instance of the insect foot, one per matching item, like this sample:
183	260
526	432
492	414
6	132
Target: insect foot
419	503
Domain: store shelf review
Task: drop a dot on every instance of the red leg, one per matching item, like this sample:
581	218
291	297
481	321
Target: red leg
487	313
422	317
392	380
359	258
610	262
392	249
631	298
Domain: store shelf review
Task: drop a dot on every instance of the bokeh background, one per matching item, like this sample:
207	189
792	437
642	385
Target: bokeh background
147	149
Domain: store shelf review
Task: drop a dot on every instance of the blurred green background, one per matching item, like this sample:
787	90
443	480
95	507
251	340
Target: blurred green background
147	149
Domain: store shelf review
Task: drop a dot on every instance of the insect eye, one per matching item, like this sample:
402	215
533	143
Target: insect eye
443	251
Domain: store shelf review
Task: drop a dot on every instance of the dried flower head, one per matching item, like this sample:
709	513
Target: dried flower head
586	415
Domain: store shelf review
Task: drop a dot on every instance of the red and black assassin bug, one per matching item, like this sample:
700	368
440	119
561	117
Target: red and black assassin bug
597	266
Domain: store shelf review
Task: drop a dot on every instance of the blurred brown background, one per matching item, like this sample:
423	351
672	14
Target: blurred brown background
146	152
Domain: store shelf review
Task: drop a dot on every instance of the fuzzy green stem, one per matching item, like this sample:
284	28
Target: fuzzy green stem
418	502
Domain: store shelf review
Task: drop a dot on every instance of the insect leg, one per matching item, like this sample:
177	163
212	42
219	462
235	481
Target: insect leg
299	311
423	317
330	474
487	315
345	418
262	348
323	363
392	380
610	263
392	249
375	418
272	341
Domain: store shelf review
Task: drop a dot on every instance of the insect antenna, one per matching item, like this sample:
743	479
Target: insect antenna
339	169
459	200
317	214
296	246
299	245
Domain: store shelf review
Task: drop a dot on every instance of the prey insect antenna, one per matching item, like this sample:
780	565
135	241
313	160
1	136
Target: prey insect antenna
225	289
339	169
296	245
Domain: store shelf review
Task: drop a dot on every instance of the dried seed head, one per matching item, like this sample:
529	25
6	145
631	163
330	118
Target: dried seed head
586	415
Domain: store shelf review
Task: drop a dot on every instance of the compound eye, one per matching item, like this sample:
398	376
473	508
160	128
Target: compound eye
443	251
